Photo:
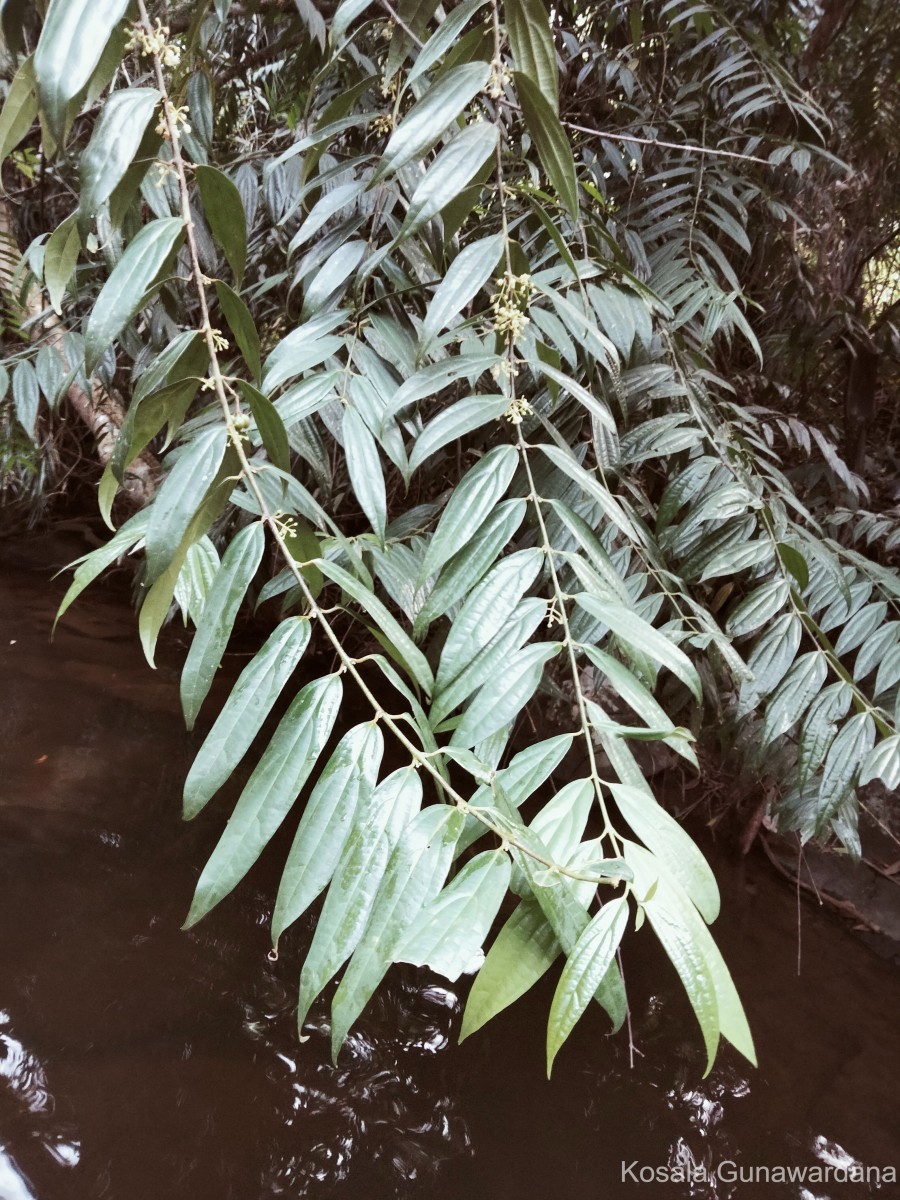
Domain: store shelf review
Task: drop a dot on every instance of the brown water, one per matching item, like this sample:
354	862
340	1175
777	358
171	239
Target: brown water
138	1062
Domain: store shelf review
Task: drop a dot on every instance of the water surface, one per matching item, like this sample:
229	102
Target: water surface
139	1062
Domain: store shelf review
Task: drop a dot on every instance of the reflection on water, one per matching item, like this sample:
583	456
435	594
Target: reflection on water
138	1062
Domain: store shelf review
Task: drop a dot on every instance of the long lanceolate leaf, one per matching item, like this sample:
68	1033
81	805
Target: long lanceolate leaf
73	38
585	968
273	787
693	953
238	567
252	697
344	789
357	880
415	874
126	289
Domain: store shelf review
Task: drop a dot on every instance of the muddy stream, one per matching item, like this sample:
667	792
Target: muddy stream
138	1062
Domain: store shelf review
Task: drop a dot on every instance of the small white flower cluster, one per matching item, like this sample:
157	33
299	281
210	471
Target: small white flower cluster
518	410
178	117
154	43
500	79
509	303
382	126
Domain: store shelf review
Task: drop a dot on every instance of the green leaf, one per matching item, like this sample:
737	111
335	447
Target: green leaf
448	933
344	787
771	659
158	600
692	952
201	565
502	699
180	495
415	874
60	258
455	422
26	396
443	38
467	567
759	607
526	772
240	564
125	291
847	753
224	212
258	687
790	702
364	469
466	276
591	485
794	561
485	612
411	655
883	763
328	205
491	660
522	953
356	881
636	696
473	499
449	174
273	787
94	564
242	325
531	41
662	834
642	637
568	919
303	348
19	109
820	726
72	41
591	958
428	120
269	426
550	139
115	141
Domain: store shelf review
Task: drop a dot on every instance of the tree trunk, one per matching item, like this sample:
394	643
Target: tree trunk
101	412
